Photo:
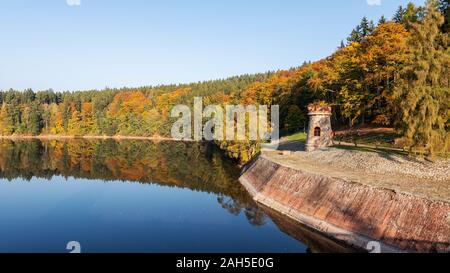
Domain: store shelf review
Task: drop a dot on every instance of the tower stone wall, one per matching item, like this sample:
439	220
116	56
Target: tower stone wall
320	133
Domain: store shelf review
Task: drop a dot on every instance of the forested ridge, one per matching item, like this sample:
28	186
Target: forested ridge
392	73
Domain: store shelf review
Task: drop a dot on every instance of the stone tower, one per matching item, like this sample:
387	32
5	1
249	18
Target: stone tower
320	133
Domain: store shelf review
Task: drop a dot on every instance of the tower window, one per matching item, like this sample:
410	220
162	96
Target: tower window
317	132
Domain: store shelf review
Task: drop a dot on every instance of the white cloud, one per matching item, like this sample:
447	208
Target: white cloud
374	2
73	2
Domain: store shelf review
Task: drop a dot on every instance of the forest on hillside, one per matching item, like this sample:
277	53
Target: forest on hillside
394	73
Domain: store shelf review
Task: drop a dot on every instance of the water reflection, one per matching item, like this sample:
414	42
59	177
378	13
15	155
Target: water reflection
194	166
173	210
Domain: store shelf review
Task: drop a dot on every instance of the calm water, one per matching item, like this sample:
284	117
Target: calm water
130	196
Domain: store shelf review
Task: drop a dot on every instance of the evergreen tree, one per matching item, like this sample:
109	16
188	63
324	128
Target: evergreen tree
295	119
35	122
364	29
412	15
382	20
444	6
423	90
398	17
409	15
355	36
66	115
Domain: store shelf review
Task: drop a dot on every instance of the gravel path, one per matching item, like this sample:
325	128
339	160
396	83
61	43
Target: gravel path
392	171
382	163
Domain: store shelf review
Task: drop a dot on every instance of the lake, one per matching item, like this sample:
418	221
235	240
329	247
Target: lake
134	196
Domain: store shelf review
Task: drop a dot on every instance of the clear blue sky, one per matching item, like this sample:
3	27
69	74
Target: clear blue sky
50	44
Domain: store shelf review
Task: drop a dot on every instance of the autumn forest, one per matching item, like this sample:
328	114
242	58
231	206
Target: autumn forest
391	73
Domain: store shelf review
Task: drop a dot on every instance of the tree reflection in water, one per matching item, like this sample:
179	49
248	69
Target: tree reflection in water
194	166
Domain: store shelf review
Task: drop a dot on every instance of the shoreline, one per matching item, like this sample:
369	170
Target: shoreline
71	137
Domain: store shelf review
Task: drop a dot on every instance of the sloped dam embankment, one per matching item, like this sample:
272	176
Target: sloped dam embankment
349	212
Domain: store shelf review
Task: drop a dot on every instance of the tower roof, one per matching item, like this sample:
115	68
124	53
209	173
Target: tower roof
319	110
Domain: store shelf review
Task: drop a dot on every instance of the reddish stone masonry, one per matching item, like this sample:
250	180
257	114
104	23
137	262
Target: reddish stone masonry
351	212
319	109
320	133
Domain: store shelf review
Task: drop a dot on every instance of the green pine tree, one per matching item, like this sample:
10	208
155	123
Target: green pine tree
444	6
398	17
364	29
355	36
382	20
35	123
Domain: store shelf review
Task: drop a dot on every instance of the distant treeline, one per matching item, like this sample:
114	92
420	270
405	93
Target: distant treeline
143	111
394	73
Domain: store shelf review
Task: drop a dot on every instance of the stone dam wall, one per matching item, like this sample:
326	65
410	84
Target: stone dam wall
349	212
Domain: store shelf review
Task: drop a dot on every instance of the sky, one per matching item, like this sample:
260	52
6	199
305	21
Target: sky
93	44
